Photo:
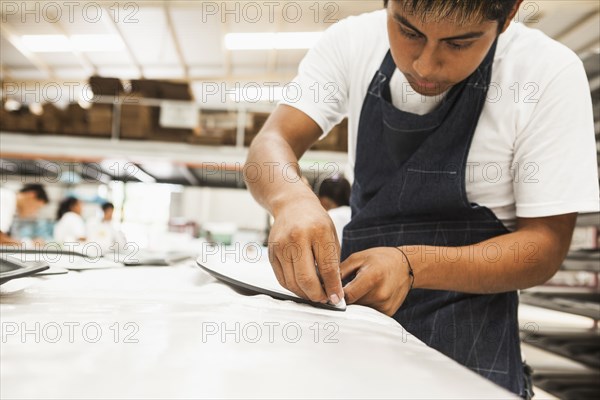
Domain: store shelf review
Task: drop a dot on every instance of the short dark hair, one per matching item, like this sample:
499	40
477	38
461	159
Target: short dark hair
65	206
460	10
37	189
337	189
107	205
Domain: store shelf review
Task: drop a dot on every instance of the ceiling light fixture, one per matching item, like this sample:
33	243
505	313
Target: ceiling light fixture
65	44
271	40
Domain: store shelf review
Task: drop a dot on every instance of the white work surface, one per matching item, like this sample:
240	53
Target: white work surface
358	353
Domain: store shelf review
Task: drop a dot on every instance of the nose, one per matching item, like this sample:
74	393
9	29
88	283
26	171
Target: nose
426	65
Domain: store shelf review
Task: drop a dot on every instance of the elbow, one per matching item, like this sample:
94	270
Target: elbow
542	273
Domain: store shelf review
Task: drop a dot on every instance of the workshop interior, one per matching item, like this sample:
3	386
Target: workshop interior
139	165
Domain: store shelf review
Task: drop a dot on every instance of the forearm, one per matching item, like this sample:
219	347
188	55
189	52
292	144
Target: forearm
272	172
7	240
303	233
518	260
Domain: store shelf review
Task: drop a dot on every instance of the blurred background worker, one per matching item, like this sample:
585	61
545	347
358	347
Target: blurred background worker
24	205
70	226
334	195
104	231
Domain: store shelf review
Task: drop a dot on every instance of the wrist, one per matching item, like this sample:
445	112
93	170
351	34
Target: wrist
408	265
424	268
288	196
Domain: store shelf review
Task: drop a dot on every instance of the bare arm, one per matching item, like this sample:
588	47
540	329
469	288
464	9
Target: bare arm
6	239
303	233
286	136
527	257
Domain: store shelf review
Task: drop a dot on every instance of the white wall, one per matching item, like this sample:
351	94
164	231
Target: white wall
222	205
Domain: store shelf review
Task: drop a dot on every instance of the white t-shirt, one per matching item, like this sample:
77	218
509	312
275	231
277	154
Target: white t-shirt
105	235
70	228
340	217
533	153
8	208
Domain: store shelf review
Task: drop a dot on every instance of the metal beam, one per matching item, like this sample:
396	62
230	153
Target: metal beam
281	78
112	25
143	176
189	175
178	50
102	175
272	59
85	62
226	53
4	74
595	83
14	39
592	46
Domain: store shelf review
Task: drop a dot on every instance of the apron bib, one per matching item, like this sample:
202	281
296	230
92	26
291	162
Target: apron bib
409	189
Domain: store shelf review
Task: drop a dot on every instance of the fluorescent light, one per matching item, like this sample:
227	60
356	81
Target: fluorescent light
97	43
47	43
271	40
63	44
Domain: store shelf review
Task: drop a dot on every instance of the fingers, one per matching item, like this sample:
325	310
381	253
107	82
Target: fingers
306	254
283	263
357	290
277	268
298	272
351	265
328	262
305	274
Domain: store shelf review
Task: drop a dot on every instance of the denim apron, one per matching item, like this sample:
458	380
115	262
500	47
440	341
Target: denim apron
409	189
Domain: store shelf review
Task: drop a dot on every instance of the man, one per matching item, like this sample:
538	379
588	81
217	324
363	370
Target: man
472	144
104	232
25	204
107	210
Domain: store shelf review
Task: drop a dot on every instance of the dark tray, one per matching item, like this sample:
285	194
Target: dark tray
13	268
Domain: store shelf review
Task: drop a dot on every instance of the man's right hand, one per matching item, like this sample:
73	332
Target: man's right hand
304	235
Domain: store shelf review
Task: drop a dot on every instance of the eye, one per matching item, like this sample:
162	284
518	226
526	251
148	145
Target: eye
458	46
410	35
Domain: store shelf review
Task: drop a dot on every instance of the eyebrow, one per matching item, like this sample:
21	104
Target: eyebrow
470	35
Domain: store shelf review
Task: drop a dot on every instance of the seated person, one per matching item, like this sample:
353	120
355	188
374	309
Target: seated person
334	195
25	204
104	232
70	226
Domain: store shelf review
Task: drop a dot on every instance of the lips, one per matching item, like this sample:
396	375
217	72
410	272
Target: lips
427	85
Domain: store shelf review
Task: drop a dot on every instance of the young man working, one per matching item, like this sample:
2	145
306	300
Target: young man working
472	144
25	204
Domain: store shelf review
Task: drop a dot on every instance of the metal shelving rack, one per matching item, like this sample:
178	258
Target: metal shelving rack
193	164
582	345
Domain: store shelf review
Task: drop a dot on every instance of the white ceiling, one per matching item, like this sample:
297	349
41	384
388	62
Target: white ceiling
185	39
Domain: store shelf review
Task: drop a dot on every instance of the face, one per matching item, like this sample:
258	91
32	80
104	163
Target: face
76	208
436	55
29	205
108	214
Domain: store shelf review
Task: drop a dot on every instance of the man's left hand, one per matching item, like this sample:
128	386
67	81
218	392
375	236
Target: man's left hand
382	280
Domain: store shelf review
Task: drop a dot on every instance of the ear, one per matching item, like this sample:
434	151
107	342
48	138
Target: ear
511	17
